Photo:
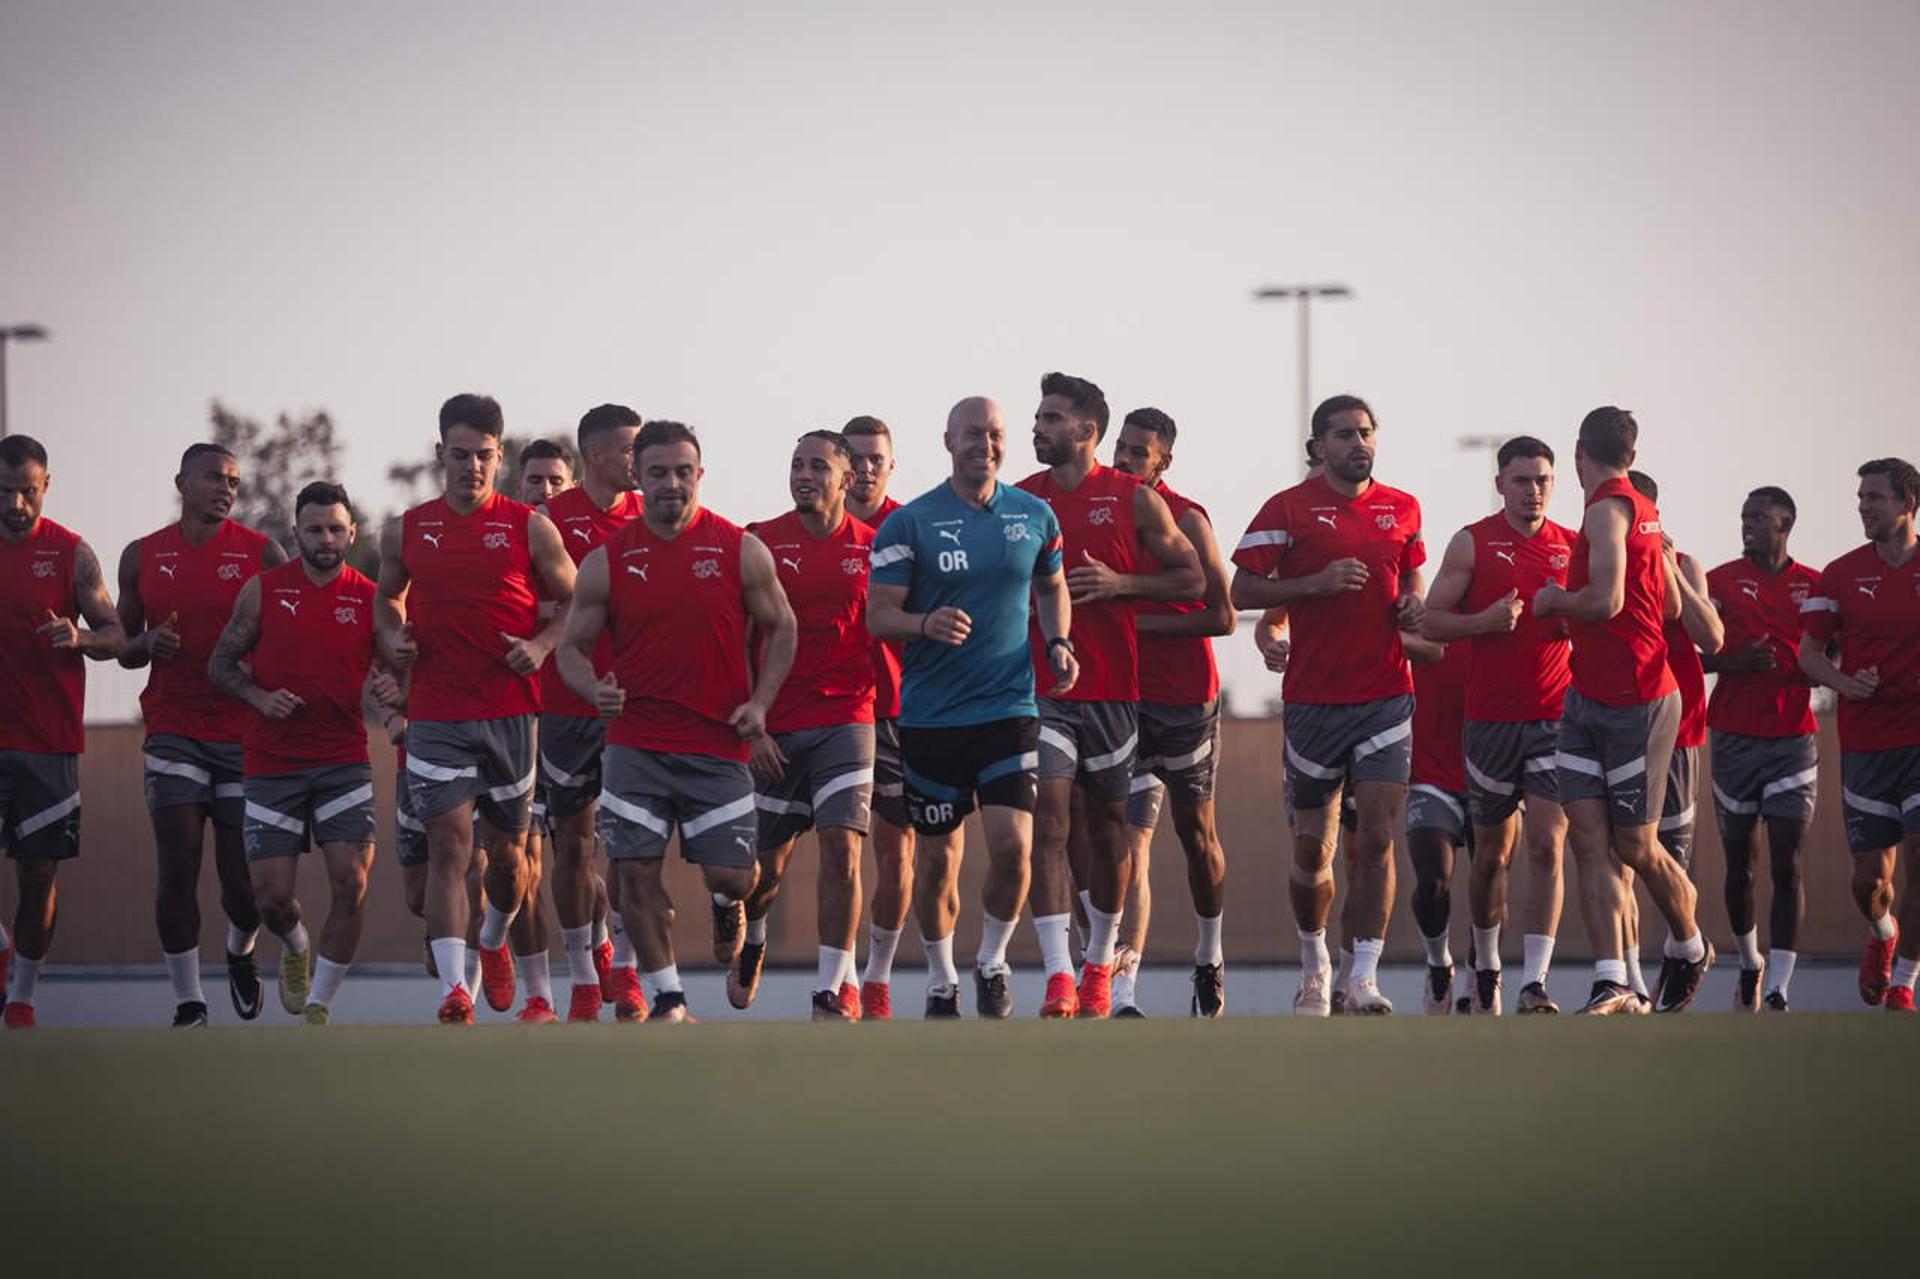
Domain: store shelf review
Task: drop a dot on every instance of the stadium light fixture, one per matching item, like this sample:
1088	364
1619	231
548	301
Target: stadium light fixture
15	333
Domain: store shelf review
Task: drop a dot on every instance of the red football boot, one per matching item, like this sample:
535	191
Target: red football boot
1876	967
629	1001
536	1012
18	1016
1899	999
584	1005
603	968
850	1001
496	976
1061	1000
876	1000
455	1010
1096	990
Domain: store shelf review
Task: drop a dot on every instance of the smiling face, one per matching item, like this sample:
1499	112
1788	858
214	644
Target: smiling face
1763	528
1882	511
208	487
324	532
1347	446
469	459
818	478
670	482
977	439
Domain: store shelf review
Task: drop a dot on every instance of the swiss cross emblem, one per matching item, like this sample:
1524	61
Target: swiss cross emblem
1385	521
1017	532
346	615
853	567
494	541
228	573
706	568
1799	593
1559	561
43	568
1100	515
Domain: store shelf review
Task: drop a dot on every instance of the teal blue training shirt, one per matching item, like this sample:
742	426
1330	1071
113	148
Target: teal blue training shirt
984	563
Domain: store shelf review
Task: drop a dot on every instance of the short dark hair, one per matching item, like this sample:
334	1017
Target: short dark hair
537	450
1522	446
1151	419
1777	496
1609	435
1323	415
661	431
18	450
600	419
865	425
202	449
1644	485
479	412
835	438
1901	477
1087	399
322	493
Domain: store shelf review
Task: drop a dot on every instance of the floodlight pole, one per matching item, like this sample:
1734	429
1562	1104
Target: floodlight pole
1303	294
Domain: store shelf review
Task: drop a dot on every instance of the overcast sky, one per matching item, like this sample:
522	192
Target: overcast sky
763	219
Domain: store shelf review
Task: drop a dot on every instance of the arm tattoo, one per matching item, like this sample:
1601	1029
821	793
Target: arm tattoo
235	642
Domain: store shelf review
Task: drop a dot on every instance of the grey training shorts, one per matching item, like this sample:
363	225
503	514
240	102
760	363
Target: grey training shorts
1179	748
1676	811
1431	808
1880	791
1330	744
1093	743
409	836
332	805
827	785
185	770
1755	777
39	805
889	775
488	761
1618	754
647	794
570	747
1509	762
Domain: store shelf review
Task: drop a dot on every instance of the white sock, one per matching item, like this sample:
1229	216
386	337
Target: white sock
601	932
6	940
295	941
473	971
724	900
1538	957
1206	946
327	977
827	976
881	945
1124	984
848	969
1055	951
450	957
238	942
1883	927
940	969
623	956
536	975
1635	978
994	936
1780	969
1486	949
664	981
1313	951
579	944
1102	929
494	925
1086	902
24	977
1904	971
757	930
1693	949
1366	959
1613	970
1438	953
1749	944
183	970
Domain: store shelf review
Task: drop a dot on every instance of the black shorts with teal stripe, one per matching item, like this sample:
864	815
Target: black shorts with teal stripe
949	770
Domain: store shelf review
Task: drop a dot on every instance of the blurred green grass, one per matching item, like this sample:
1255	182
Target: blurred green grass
1687	1145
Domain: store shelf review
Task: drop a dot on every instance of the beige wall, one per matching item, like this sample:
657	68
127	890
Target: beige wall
107	895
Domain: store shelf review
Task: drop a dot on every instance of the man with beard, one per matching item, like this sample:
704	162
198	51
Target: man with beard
305	630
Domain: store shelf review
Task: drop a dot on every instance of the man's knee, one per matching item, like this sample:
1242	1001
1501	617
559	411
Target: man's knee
731	881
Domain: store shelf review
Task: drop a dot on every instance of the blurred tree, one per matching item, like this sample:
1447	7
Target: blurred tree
276	462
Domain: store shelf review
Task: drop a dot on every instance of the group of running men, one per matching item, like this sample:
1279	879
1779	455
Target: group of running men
576	675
